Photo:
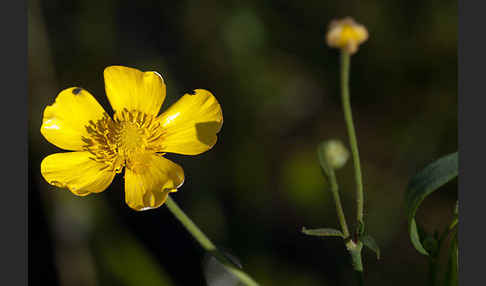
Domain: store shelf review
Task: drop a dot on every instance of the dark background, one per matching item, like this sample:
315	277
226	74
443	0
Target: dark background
277	82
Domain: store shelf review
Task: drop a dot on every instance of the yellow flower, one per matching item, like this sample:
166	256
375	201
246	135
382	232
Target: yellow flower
136	138
346	34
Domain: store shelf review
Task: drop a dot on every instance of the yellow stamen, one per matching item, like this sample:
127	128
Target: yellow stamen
118	142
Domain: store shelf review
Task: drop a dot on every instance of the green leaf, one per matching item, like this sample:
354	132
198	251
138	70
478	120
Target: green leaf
370	242
423	184
322	232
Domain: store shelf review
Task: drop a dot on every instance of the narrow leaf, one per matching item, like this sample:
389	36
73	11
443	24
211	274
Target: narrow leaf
423	184
322	232
370	242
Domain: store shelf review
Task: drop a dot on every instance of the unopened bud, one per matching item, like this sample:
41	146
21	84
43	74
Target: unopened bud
336	154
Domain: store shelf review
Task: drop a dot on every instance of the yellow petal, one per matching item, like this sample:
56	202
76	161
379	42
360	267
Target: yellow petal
64	122
346	34
190	125
77	172
148	180
134	90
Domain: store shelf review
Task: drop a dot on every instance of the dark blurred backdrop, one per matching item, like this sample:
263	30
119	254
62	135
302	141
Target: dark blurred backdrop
277	81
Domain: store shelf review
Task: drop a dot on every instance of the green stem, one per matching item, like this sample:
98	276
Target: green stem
206	243
190	225
452	271
348	117
434	257
337	200
354	250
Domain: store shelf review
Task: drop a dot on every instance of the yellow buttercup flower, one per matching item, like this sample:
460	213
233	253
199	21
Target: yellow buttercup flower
346	34
136	138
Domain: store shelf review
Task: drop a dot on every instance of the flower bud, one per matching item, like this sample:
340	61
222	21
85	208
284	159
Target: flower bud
346	34
336	154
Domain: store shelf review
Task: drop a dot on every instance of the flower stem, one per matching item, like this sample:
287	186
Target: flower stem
206	243
348	117
354	247
337	200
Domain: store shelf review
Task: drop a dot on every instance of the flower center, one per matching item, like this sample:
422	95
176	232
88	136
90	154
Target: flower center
119	141
131	138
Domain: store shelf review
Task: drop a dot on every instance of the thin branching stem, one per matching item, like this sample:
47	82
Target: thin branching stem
337	201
